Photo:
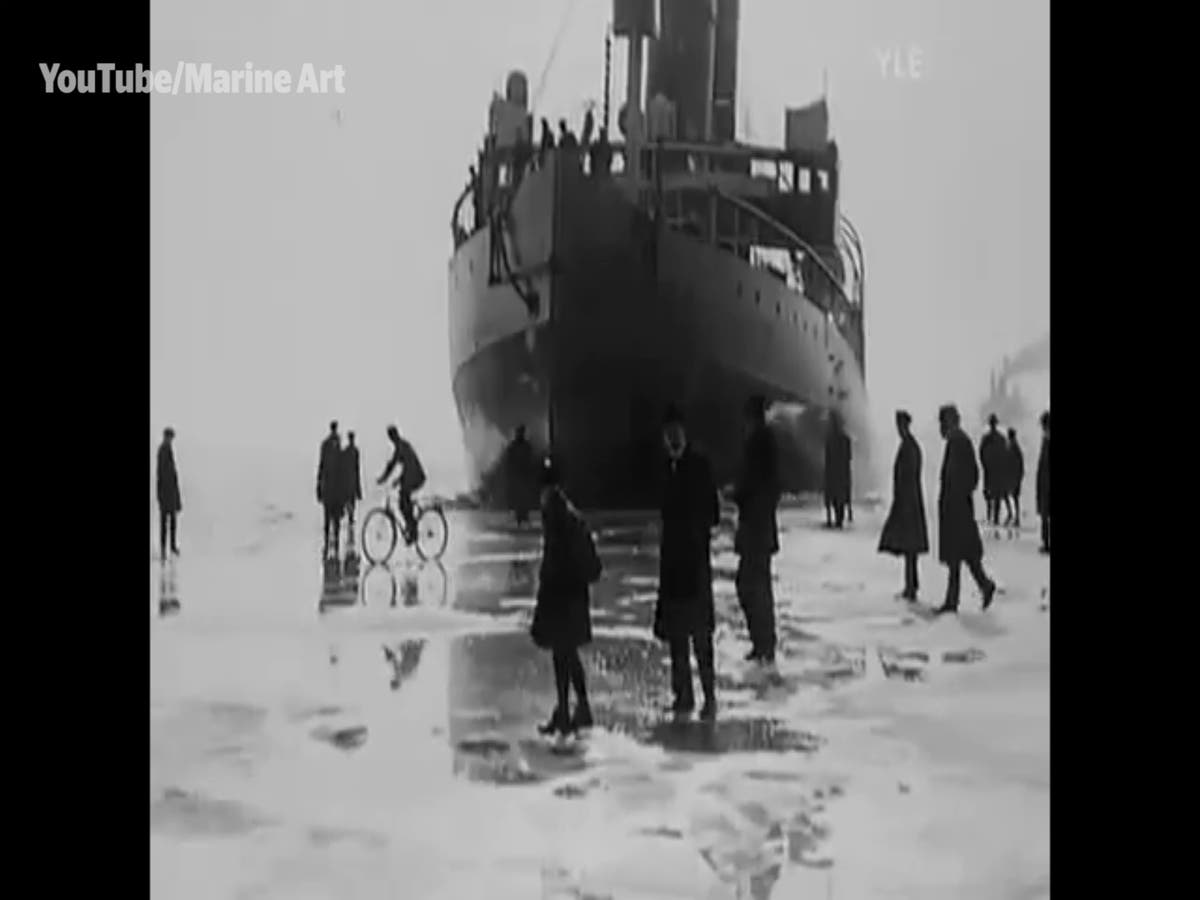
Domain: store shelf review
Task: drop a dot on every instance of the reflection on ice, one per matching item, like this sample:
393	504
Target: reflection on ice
339	747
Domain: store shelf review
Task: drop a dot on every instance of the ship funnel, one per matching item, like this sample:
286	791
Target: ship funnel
516	89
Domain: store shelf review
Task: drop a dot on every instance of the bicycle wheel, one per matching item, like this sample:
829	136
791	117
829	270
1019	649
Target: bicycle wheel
379	536
432	533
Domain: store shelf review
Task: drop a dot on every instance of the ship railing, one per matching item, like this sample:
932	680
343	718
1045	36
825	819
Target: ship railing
843	310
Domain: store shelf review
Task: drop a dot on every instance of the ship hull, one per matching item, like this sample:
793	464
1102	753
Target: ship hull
625	322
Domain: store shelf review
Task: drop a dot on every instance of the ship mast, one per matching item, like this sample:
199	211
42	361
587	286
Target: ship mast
607	74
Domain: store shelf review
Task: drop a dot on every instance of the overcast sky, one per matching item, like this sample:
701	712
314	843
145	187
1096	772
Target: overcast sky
299	243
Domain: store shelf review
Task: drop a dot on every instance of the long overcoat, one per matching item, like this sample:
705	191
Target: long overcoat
905	530
958	532
689	512
562	617
167	481
757	496
1043	480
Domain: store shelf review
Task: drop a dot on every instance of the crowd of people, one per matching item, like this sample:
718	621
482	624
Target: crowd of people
684	615
339	485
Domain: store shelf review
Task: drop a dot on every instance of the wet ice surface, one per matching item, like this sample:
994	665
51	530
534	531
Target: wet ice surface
323	734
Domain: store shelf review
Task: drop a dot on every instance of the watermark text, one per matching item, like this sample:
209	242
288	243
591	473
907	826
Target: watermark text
193	78
900	63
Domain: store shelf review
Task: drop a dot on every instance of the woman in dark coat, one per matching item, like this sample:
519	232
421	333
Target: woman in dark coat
562	621
684	617
958	532
905	532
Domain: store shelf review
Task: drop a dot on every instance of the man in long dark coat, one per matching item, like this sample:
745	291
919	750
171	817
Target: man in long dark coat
757	537
330	487
837	473
684	617
1014	476
167	491
1043	483
958	532
993	455
905	532
351	484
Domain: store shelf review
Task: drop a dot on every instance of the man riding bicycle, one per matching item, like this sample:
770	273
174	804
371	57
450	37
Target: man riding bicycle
412	478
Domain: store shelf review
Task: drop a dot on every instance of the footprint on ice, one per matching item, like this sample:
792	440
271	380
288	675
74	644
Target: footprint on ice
486	746
970	655
183	812
343	738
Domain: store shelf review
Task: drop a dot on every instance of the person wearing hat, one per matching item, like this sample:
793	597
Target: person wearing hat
167	490
905	532
958	532
684	617
993	456
562	619
1043	483
330	487
757	537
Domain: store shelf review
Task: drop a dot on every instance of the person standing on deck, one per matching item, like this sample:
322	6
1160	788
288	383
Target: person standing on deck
993	456
837	473
905	532
1015	476
589	124
351	484
547	143
170	503
329	488
1043	483
958	532
684	617
600	154
757	536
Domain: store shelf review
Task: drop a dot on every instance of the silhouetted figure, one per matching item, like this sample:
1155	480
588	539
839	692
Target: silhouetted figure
412	478
330	488
476	196
351	483
522	157
1043	483
993	456
837	473
547	144
684	616
562	620
958	532
757	536
170	503
1014	476
600	154
520	476
566	137
905	532
589	124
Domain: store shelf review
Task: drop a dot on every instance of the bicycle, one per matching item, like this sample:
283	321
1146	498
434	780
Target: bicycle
383	526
